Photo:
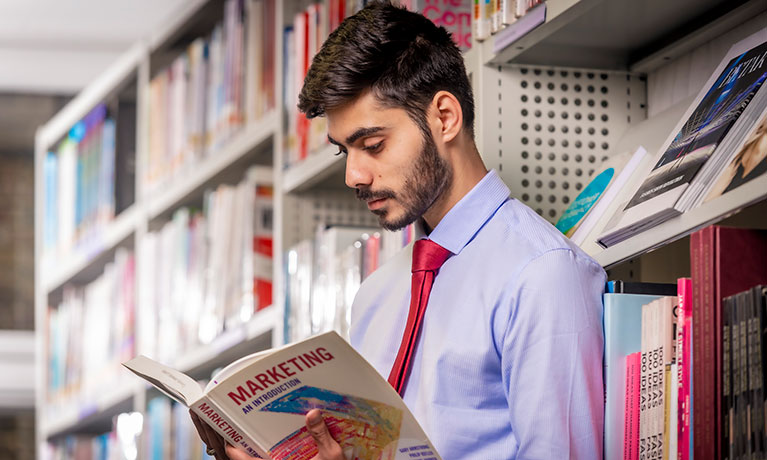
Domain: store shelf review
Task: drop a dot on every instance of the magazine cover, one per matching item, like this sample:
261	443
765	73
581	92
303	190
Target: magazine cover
259	402
749	163
707	126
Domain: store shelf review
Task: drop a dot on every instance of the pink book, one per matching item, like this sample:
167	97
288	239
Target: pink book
684	322
631	424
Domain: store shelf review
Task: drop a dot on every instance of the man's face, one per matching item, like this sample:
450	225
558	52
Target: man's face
394	167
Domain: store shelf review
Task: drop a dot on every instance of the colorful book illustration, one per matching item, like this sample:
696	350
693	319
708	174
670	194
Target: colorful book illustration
258	403
345	415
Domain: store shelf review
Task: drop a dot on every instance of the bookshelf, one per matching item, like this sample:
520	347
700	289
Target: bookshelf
307	192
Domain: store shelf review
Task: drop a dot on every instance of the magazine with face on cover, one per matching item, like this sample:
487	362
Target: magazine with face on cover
712	121
259	402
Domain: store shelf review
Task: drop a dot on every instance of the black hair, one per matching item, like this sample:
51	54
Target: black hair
401	56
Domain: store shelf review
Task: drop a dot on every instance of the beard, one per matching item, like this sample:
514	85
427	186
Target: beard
426	180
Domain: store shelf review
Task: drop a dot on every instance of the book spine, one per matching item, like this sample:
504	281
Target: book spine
754	378
666	411
761	408
631	424
705	443
645	387
744	395
727	393
684	288
210	413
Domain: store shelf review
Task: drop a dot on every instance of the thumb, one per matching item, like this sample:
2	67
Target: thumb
327	446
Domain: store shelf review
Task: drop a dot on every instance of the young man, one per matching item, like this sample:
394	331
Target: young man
506	361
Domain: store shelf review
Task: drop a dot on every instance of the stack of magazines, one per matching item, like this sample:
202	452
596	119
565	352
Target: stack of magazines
717	123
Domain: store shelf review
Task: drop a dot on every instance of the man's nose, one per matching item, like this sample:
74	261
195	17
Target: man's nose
357	171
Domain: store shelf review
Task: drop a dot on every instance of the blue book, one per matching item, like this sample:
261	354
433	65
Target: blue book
623	336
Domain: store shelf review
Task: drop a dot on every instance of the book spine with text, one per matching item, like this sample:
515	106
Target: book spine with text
211	414
631	422
684	289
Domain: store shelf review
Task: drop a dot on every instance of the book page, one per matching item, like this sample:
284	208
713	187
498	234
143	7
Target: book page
178	386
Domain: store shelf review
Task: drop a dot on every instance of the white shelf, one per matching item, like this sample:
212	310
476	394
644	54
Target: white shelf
312	170
619	34
184	185
94	416
681	226
17	360
93	94
64	268
218	353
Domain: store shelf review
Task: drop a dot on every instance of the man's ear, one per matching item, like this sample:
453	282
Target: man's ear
449	115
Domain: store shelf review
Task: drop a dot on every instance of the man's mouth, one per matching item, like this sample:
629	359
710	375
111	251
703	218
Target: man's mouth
376	203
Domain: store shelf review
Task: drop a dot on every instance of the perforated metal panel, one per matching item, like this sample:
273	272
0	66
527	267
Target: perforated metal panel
546	129
304	211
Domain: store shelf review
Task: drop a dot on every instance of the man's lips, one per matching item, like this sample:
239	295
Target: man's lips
376	204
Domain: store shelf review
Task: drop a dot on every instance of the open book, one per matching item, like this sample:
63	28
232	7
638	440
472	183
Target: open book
258	403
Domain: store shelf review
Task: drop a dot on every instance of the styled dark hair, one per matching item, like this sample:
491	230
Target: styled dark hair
401	56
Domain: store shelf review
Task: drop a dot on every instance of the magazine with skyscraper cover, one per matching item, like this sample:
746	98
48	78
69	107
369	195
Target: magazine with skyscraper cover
712	124
259	402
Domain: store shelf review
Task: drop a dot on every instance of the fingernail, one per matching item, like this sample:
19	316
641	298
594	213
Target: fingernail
314	417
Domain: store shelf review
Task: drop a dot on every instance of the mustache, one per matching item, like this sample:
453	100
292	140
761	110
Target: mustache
366	194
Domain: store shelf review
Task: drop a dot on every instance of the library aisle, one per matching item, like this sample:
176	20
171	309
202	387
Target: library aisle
165	197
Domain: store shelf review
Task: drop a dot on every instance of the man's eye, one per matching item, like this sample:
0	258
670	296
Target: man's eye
373	148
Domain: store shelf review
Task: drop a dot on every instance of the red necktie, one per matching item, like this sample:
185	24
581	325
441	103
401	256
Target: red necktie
428	257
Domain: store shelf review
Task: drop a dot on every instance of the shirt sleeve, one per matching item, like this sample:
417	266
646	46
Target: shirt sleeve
552	357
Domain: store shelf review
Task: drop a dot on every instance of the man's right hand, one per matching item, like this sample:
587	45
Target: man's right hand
215	441
327	446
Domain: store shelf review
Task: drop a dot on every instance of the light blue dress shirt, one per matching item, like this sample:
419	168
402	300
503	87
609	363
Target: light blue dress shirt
509	361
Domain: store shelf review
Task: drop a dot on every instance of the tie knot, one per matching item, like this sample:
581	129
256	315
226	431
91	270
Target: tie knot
428	255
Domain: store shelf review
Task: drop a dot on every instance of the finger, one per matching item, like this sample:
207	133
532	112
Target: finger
327	446
216	442
236	454
200	426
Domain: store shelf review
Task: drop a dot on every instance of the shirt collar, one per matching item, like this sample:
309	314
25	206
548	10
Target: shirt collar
464	220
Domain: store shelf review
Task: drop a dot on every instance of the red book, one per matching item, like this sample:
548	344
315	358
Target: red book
725	261
631	424
684	370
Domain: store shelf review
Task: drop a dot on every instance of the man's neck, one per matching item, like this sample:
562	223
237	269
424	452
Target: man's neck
468	170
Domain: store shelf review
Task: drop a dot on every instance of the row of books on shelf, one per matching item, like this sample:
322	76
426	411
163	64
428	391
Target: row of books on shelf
205	272
89	333
323	275
219	84
688	382
492	16
80	176
169	433
655	174
209	270
120	443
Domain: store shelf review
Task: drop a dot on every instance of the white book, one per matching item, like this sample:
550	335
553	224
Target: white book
258	403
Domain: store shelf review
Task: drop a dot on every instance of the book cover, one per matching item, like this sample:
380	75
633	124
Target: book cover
259	402
600	187
622	315
748	163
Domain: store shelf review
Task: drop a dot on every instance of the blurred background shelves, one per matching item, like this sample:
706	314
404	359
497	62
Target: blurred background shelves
315	170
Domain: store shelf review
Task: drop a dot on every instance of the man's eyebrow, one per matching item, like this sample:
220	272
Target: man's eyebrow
362	132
